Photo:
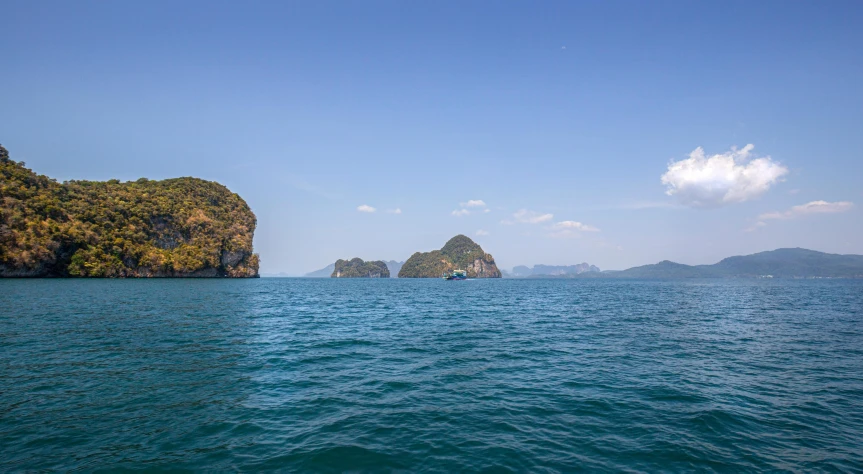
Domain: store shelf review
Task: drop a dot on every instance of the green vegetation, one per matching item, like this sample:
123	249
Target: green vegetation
327	271
460	252
170	228
357	268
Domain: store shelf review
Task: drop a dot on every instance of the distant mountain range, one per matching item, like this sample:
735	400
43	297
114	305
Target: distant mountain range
780	263
547	271
325	272
394	267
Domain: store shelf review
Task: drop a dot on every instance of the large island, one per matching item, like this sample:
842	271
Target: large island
459	253
183	227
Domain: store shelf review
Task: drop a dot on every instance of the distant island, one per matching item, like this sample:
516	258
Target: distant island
322	273
395	267
780	263
392	265
357	268
460	252
182	227
552	271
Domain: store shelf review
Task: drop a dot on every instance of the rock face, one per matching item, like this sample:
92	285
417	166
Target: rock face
357	268
183	227
459	253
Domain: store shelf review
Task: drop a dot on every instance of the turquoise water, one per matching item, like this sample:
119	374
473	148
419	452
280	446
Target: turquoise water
431	376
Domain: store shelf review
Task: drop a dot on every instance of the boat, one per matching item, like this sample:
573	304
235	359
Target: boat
455	275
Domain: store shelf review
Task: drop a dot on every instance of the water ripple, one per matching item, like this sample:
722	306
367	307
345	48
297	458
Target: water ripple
431	376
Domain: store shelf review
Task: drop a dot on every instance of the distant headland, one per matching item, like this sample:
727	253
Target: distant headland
551	271
779	263
182	227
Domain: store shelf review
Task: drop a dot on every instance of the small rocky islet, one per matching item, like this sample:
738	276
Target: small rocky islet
357	268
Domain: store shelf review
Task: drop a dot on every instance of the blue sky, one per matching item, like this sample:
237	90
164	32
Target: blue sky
571	121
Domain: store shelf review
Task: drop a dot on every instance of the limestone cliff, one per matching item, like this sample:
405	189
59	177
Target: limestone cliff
459	253
183	227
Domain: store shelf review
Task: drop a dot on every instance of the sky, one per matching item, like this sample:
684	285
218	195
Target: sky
617	133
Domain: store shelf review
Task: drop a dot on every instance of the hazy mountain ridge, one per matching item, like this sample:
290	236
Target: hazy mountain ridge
552	271
779	263
322	273
395	267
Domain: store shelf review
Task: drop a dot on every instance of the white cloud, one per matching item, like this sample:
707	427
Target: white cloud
564	234
397	210
727	178
564	229
486	210
481	232
573	225
471	203
524	216
366	208
814	207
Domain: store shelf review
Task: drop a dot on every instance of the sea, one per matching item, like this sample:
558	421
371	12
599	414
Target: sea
399	375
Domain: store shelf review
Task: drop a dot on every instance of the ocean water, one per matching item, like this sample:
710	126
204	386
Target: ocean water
431	376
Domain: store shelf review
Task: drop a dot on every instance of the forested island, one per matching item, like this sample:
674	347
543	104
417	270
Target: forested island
182	227
460	252
357	268
326	272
